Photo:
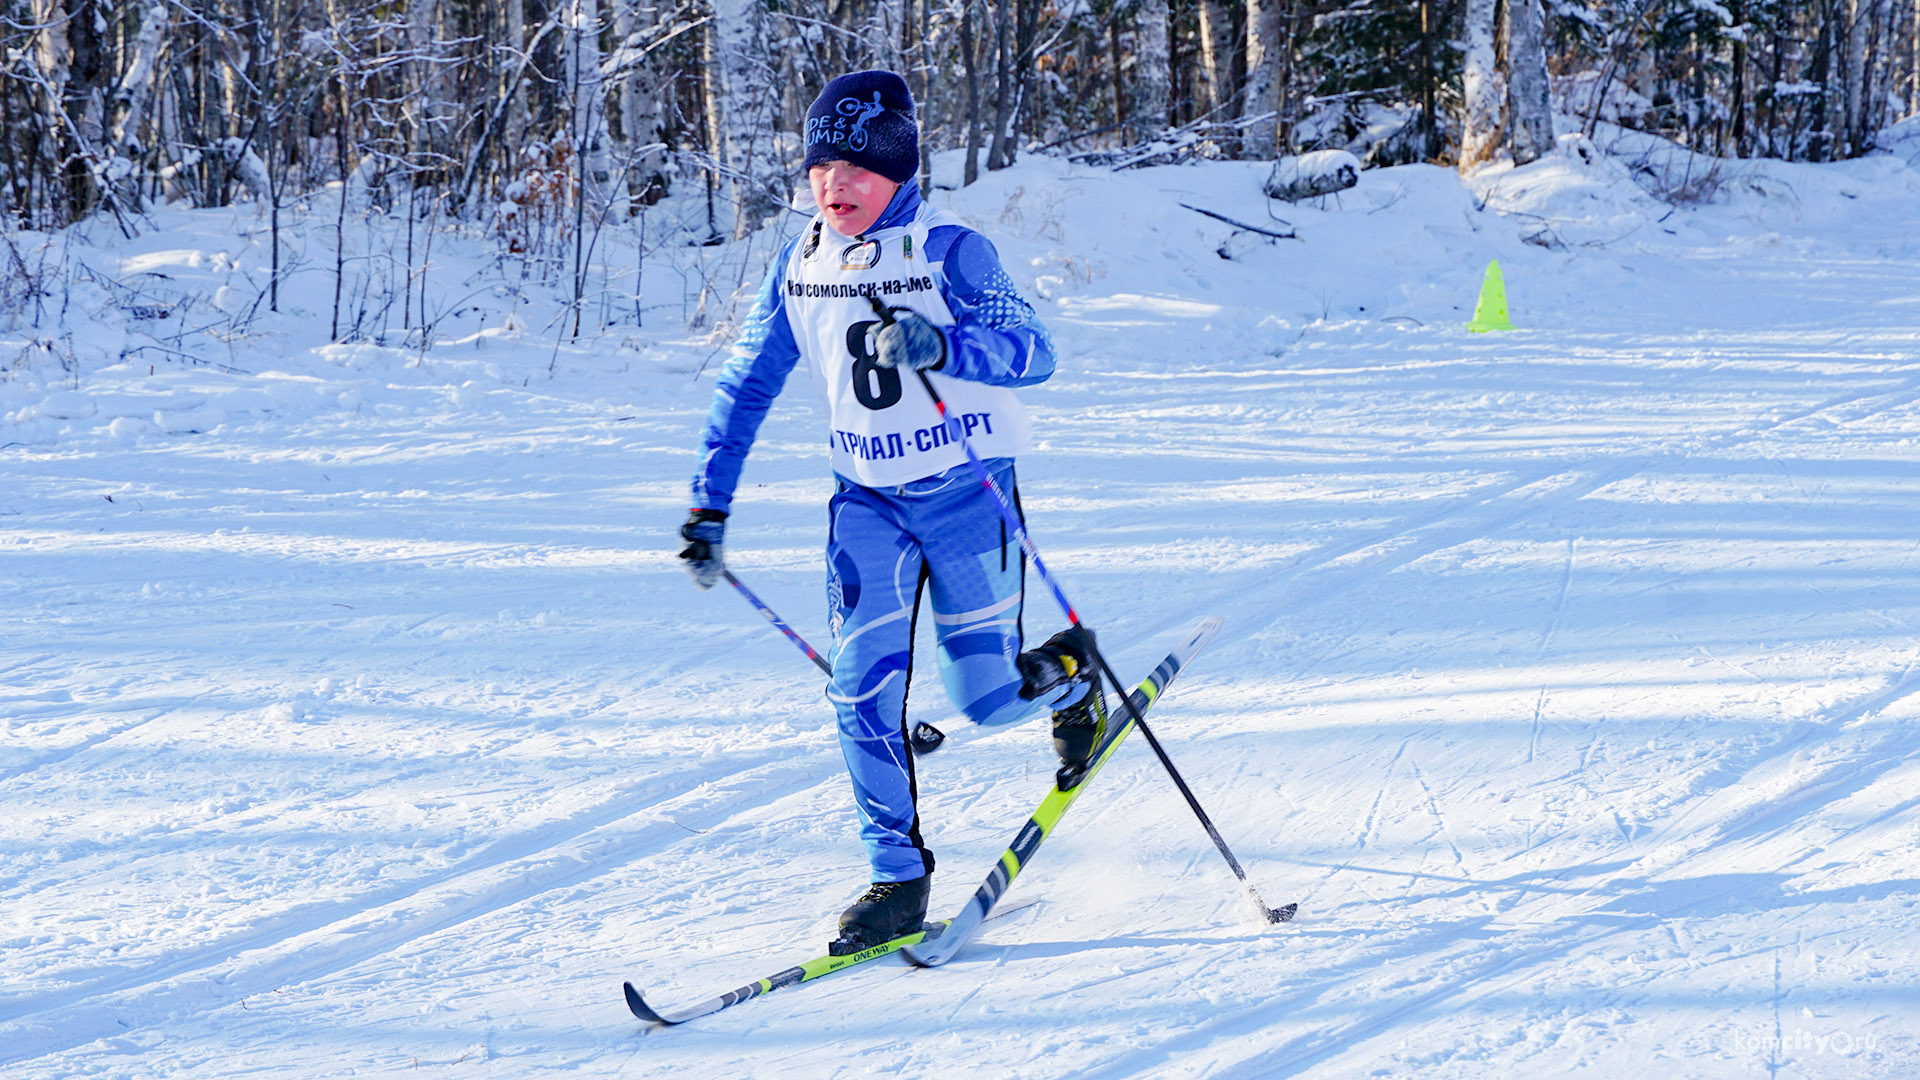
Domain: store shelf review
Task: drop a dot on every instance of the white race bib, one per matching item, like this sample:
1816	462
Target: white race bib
885	429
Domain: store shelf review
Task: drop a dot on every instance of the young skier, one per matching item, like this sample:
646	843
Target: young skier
908	513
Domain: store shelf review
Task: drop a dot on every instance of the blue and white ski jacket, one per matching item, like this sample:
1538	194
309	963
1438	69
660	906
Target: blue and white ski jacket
995	339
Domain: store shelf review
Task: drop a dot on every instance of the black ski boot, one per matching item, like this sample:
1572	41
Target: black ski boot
1079	726
888	910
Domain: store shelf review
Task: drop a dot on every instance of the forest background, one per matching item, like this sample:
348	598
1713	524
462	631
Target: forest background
545	123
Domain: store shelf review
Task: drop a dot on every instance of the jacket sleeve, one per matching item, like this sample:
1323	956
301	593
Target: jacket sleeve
996	337
752	377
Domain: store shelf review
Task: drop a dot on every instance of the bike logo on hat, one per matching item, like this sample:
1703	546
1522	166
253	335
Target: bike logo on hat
861	111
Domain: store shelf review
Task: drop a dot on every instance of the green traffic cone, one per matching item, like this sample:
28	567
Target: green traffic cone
1491	312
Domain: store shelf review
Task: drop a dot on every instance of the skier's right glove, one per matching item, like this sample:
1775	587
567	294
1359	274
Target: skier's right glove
703	533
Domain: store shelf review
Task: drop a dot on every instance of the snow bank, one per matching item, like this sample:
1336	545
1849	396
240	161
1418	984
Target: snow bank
1573	197
1902	140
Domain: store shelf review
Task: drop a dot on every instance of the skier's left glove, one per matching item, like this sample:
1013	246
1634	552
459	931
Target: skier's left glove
910	342
703	533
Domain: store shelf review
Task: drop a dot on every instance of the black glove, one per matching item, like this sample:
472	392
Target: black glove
703	533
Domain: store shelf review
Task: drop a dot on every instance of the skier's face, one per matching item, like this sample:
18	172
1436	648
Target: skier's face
851	197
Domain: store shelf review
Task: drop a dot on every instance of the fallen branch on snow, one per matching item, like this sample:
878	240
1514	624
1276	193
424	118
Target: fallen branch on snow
1244	225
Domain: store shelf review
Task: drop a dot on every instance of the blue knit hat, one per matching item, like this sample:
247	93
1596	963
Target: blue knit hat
865	118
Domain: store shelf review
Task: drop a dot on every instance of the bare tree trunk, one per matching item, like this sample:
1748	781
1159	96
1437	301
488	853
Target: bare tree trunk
270	76
1481	105
422	18
924	107
514	123
72	63
233	92
86	105
1152	69
1853	75
1770	125
52	56
970	60
1005	80
626	94
1913	65
589	128
899	35
1215	67
1429	90
132	97
642	105
835	46
1870	63
1264	18
740	110
1869	31
340	216
1819	142
1290	26
1026	103
1739	106
1883	97
1530	134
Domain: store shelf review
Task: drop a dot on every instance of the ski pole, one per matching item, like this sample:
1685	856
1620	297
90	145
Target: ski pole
760	606
1007	513
924	739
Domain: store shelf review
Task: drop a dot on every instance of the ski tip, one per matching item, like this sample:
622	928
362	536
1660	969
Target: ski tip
1203	631
639	1005
1282	914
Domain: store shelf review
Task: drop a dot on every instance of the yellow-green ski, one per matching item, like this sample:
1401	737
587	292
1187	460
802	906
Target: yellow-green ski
933	951
929	945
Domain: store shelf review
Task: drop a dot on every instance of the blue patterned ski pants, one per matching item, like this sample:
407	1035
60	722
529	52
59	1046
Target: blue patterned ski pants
943	533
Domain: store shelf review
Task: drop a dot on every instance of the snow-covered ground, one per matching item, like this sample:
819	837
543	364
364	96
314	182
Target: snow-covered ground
357	720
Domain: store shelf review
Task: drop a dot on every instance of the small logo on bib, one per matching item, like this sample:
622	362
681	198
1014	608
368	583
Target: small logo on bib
860	256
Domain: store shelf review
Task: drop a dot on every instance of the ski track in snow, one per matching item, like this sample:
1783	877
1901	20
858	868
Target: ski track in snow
372	923
1567	683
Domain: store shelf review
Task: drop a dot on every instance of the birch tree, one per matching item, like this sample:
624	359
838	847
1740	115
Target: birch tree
1530	128
739	110
1216	67
1913	63
1854	72
131	99
1152	74
421	104
588	129
1264	25
514	118
1481	88
639	95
